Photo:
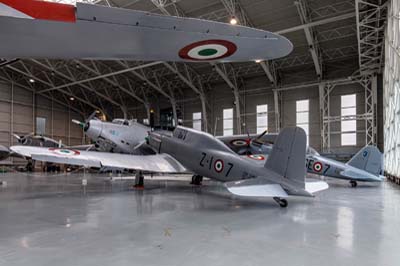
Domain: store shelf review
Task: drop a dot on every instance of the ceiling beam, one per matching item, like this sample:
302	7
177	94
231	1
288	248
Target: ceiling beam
311	41
119	72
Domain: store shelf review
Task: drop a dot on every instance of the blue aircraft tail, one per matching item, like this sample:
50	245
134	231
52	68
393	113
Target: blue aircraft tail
369	159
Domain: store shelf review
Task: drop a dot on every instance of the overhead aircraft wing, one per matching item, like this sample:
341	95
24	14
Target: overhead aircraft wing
161	163
40	29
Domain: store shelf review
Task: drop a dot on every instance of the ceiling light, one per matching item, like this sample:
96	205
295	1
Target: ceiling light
72	98
31	80
233	21
258	61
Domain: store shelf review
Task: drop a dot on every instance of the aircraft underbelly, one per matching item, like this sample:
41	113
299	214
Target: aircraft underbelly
106	33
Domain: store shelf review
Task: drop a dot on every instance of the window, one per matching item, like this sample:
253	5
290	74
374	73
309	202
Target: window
262	118
146	121
197	121
349	122
228	121
40	125
302	115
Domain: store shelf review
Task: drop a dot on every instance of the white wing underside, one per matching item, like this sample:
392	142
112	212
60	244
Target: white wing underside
151	163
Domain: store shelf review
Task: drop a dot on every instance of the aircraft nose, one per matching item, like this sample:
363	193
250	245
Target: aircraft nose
86	127
93	129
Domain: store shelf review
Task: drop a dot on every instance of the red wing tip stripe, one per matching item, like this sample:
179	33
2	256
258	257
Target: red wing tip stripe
42	10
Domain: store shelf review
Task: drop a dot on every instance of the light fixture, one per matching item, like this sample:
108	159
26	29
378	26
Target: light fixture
31	80
258	61
233	20
72	98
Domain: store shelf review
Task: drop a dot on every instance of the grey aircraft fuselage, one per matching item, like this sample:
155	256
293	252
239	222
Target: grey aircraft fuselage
116	136
317	164
320	165
207	156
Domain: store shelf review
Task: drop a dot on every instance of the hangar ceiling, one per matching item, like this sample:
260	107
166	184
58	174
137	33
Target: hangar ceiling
326	36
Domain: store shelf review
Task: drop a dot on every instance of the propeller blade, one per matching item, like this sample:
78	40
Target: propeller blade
17	137
81	124
140	144
91	116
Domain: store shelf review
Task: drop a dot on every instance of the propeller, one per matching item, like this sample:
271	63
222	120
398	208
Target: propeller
23	139
85	125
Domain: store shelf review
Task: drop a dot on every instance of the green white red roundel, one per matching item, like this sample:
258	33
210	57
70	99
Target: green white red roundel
207	50
317	166
65	152
256	157
219	166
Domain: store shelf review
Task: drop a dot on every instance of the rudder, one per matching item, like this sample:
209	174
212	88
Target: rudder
288	155
368	159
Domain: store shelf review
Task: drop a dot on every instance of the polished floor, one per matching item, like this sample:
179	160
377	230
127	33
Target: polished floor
54	220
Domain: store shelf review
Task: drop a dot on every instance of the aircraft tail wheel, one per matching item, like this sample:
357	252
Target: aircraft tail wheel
282	202
353	183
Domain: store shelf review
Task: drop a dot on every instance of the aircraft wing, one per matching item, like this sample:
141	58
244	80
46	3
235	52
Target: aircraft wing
40	29
162	163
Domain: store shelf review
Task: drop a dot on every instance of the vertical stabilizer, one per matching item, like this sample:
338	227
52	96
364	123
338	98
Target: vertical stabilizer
288	155
369	159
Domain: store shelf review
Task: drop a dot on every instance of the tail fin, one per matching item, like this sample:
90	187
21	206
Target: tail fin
288	155
369	159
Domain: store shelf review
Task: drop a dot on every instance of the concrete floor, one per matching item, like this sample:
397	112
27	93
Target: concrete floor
51	220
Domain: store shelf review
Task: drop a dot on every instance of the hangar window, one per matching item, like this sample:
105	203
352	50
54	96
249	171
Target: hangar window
348	121
262	118
302	115
228	121
197	121
40	125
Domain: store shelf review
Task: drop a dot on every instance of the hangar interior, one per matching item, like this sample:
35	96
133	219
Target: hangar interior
341	84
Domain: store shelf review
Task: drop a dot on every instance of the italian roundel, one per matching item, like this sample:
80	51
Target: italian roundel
317	166
207	50
256	157
219	166
65	152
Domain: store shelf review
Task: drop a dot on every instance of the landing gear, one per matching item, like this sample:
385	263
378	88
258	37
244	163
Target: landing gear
353	183
282	202
139	180
196	180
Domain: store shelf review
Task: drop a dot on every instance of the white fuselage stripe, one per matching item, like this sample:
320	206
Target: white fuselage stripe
7	11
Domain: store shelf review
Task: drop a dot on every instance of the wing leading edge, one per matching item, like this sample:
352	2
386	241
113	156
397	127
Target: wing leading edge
150	163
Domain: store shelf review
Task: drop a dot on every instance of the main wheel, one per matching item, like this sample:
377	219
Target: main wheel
353	183
282	202
196	180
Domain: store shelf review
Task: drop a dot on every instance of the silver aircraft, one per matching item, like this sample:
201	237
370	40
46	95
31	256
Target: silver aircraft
118	136
191	151
365	166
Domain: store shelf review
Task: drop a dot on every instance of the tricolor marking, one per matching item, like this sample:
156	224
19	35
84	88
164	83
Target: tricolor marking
33	9
256	157
317	166
208	50
65	152
219	166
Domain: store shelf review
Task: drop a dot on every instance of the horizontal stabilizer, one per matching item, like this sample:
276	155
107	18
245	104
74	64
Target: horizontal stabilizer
313	187
357	176
252	188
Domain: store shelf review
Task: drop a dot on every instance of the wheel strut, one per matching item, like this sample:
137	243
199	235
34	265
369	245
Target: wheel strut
282	202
